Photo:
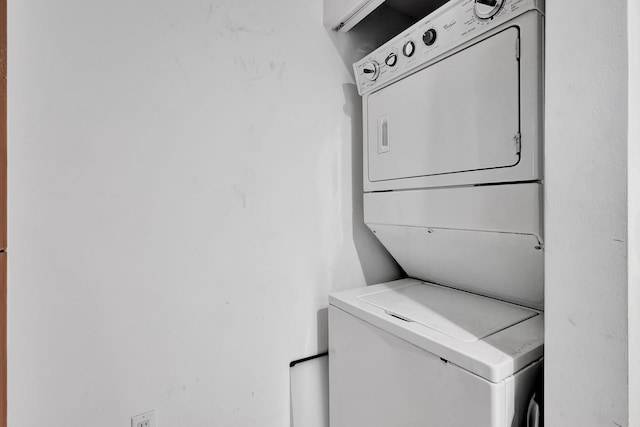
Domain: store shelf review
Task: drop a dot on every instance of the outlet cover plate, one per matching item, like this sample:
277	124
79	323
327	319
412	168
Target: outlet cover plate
148	419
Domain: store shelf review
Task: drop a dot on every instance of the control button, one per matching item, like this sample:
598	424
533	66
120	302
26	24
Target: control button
429	37
487	9
371	70
409	48
391	60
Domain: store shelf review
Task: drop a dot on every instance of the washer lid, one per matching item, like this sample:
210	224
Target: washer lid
487	337
461	315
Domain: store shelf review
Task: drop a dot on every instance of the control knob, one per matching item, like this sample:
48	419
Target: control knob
429	37
409	48
487	9
371	70
391	60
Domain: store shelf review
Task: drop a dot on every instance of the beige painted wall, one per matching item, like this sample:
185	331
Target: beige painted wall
634	212
587	228
182	200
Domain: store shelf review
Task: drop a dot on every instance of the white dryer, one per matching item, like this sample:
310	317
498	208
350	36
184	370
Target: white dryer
453	189
453	148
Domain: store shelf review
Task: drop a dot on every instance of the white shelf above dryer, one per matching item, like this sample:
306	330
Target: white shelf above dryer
343	15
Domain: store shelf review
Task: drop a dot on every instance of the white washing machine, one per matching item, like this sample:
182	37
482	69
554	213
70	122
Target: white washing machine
453	187
410	353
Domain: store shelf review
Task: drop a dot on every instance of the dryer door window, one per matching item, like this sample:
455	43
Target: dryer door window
459	114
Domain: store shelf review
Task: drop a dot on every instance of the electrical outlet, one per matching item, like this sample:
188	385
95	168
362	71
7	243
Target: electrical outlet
148	419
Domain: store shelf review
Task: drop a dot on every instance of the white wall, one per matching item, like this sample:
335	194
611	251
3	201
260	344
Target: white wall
634	212
181	203
587	113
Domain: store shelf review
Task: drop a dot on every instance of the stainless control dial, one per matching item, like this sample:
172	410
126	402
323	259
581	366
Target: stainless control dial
487	9
429	37
409	48
371	70
391	60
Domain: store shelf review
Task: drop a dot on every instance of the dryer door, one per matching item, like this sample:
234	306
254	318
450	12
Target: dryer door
458	115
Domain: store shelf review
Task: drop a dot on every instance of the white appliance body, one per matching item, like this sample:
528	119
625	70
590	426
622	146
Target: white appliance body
412	354
453	150
453	189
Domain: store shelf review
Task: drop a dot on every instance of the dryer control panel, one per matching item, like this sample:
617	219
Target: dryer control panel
450	26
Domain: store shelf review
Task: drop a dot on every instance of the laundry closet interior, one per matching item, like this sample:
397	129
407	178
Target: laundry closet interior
322	213
453	188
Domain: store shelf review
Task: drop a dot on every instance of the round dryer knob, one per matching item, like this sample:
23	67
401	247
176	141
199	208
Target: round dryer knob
371	70
487	9
429	37
409	48
391	60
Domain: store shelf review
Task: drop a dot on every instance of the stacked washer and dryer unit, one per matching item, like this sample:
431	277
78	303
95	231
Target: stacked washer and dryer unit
453	156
